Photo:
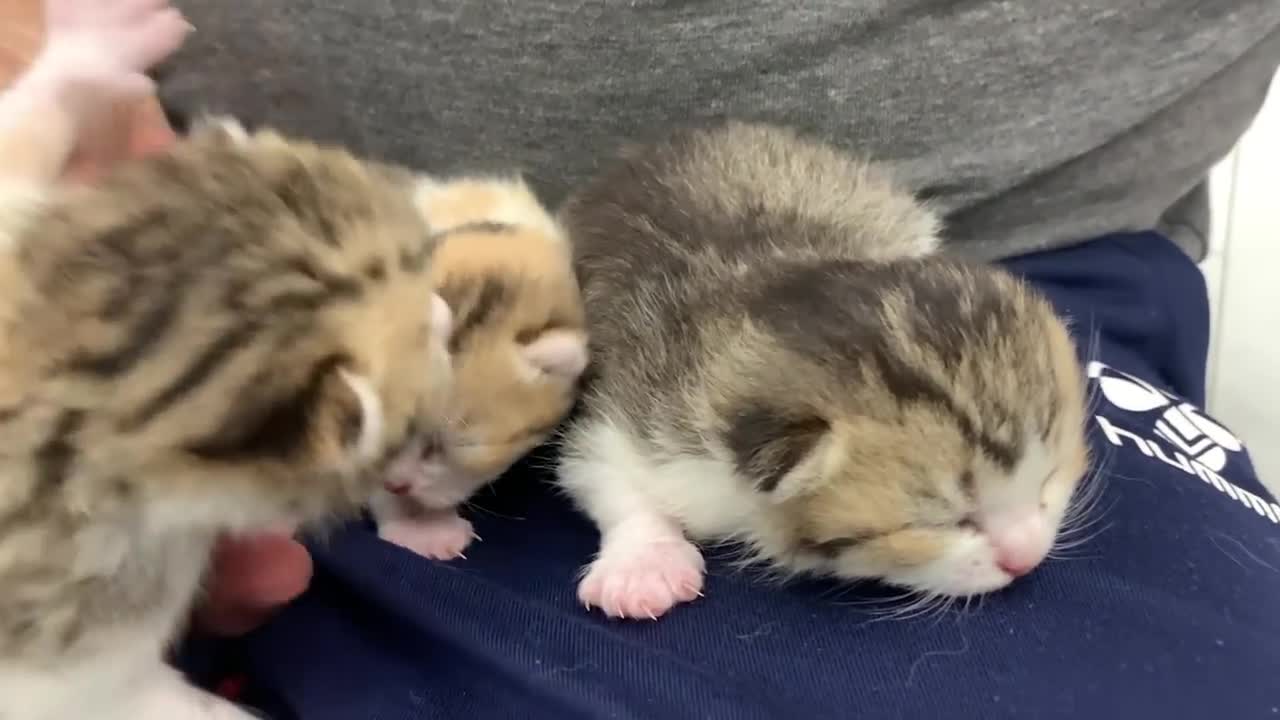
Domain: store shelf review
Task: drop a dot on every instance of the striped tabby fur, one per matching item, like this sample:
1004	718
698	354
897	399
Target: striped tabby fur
232	335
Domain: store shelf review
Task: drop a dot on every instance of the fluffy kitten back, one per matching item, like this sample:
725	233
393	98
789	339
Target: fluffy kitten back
495	201
767	190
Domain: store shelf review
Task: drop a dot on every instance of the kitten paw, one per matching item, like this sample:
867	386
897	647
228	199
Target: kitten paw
105	47
643	580
441	536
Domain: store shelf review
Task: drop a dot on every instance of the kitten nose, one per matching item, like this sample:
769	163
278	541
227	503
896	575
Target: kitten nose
1020	543
1016	567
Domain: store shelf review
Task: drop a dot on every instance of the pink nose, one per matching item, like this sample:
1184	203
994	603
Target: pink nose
1020	543
1016	568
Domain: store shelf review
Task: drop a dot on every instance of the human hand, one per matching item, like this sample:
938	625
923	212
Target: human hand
250	578
100	50
125	127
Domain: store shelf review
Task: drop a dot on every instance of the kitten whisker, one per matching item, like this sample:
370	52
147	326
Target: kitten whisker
879	601
1080	541
1086	515
1080	533
923	605
942	608
480	509
1082	513
1069	557
1093	395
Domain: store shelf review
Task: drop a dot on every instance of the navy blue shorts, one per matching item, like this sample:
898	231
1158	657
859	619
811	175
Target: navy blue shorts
1171	611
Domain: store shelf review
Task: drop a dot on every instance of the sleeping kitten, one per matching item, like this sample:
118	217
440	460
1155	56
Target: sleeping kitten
779	359
504	266
231	336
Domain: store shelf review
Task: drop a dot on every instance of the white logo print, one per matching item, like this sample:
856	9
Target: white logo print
1196	445
1182	425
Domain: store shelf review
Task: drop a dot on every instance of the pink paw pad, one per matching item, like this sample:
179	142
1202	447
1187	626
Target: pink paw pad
643	581
435	538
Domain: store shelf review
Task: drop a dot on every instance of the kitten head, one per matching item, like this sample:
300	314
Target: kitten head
518	343
929	430
260	311
350	232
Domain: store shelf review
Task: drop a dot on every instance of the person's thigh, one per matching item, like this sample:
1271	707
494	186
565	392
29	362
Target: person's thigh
1161	605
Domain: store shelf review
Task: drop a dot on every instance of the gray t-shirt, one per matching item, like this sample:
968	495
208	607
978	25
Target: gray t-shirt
1032	123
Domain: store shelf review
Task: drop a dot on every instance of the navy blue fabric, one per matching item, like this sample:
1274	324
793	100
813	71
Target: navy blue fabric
1170	612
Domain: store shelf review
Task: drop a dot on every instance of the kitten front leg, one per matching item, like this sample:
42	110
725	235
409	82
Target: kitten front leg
645	565
644	568
433	534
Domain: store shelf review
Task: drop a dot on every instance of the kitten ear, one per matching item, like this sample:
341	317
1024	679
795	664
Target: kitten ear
441	318
560	353
218	128
781	453
362	428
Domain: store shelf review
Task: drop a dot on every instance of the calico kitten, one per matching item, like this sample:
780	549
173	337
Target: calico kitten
519	346
231	336
779	358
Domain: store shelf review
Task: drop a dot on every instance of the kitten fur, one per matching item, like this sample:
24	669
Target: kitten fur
233	335
518	347
779	359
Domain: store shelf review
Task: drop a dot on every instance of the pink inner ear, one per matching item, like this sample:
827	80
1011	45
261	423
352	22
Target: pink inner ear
558	352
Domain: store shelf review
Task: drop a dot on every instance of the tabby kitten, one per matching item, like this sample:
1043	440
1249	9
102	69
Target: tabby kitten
230	336
781	359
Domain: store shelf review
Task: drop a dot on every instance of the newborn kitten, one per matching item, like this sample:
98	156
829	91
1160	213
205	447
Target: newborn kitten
779	359
518	347
231	336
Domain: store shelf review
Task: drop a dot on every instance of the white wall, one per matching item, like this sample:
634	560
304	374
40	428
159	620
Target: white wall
1243	270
